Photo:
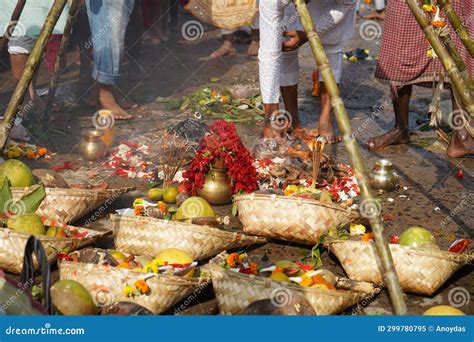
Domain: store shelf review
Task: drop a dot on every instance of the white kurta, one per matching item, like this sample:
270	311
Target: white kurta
334	19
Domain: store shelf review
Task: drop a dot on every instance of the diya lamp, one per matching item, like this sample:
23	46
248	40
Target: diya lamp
92	148
383	176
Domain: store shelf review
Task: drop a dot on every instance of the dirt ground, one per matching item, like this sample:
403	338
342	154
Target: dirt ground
430	191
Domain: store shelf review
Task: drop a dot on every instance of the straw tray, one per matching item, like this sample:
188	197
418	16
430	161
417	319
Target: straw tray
149	236
106	285
12	246
420	271
293	219
235	291
69	205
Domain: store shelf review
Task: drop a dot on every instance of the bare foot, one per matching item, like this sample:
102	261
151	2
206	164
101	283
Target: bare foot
395	137
461	145
253	48
226	49
269	132
326	130
375	15
107	101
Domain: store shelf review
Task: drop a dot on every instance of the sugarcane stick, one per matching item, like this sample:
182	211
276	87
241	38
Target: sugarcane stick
458	25
31	65
457	81
12	24
391	278
61	56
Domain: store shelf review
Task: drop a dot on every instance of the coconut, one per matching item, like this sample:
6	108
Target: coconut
17	172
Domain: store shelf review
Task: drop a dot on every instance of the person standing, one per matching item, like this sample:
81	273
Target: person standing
108	20
404	62
279	66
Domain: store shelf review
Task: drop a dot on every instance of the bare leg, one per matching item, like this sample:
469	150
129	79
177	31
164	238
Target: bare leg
227	47
326	128
107	101
255	43
461	144
377	15
401	133
18	63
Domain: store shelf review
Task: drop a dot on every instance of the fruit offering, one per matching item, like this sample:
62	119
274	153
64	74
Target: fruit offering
17	172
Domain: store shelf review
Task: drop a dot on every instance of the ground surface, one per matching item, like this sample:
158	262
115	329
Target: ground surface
430	191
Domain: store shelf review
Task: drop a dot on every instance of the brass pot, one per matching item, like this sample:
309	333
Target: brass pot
217	189
92	148
383	177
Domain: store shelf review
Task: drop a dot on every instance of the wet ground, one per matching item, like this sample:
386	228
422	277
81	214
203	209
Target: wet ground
431	195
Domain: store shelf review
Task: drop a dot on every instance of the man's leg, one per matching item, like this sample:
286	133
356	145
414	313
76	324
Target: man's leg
112	16
462	143
379	12
255	38
289	78
401	133
227	48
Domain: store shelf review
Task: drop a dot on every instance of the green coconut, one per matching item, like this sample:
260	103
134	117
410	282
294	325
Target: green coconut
28	223
71	298
17	172
417	237
194	207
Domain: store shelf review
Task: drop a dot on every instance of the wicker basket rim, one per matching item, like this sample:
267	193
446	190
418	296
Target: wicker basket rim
46	238
206	230
163	279
443	255
214	266
254	196
77	192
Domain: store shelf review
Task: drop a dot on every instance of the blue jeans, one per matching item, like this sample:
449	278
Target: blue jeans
108	20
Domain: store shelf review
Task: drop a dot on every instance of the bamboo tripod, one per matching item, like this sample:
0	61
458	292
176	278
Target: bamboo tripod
391	278
31	66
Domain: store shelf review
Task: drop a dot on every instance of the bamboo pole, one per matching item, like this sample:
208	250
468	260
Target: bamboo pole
458	25
31	65
391	278
12	24
457	81
60	57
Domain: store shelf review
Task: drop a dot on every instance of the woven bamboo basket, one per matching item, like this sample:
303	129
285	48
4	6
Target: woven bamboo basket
235	291
148	236
69	205
12	247
420	271
227	14
106	285
291	219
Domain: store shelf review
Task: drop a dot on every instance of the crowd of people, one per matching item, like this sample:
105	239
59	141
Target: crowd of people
276	36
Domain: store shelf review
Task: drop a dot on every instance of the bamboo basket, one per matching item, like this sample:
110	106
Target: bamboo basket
106	284
149	236
293	219
69	205
228	14
420	271
235	291
12	247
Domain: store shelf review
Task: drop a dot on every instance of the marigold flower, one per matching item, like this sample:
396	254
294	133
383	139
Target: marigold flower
232	259
128	291
142	286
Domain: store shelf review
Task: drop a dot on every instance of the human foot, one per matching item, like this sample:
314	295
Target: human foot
375	15
395	137
253	48
326	131
107	101
269	132
460	145
226	49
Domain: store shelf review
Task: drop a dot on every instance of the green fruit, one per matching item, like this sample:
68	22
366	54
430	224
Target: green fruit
27	223
280	276
71	298
52	231
17	172
170	195
117	255
194	207
156	194
416	237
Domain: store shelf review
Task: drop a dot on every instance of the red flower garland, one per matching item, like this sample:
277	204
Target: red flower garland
223	143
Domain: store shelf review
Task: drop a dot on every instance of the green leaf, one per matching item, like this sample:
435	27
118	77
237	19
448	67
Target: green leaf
32	201
5	195
316	257
173	104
